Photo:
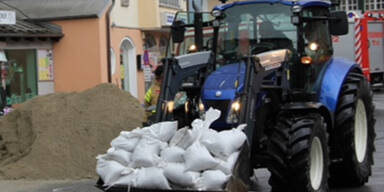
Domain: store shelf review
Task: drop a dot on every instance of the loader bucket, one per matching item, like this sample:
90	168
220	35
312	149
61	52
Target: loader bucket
237	183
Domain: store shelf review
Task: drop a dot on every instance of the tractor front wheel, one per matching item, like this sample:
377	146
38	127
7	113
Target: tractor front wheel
299	154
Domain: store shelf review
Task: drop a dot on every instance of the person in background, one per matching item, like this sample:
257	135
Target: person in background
152	95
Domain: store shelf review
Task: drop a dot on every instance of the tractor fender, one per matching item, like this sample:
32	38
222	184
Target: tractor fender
310	107
332	81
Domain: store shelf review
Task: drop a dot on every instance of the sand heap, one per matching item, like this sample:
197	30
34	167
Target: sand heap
58	136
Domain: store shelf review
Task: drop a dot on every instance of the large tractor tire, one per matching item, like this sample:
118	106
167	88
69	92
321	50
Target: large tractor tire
354	133
299	154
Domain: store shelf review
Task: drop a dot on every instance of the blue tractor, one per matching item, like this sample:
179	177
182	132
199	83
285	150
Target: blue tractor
269	64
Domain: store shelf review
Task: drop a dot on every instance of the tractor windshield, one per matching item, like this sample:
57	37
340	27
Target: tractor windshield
255	28
244	30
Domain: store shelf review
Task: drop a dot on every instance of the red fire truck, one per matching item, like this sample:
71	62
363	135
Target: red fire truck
364	44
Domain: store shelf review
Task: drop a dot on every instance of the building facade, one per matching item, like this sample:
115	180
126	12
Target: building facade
26	47
353	5
120	41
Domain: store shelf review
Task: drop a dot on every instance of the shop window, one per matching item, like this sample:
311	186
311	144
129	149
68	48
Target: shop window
150	42
163	45
20	76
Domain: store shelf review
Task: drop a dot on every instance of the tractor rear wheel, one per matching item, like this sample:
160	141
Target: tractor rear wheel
299	154
354	131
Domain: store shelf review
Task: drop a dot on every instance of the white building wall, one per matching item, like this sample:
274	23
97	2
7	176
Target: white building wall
126	16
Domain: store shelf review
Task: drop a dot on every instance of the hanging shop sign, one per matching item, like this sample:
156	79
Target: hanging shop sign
7	18
45	59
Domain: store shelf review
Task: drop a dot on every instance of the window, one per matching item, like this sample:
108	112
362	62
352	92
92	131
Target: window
170	3
150	42
348	5
125	3
317	45
353	5
163	45
21	76
374	4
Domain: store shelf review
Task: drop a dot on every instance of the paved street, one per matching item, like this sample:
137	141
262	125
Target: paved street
375	184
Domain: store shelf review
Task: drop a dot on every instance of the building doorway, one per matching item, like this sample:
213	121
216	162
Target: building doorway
128	67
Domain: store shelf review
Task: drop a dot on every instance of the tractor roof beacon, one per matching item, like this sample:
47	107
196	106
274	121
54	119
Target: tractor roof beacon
269	64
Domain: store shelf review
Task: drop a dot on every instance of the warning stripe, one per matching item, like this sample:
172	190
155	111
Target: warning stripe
358	48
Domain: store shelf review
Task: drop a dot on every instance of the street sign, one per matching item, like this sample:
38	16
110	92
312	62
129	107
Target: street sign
7	18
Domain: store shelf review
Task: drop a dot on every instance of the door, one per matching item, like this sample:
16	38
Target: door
128	70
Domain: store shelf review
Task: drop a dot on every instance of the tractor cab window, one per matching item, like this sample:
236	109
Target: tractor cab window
317	45
316	37
256	28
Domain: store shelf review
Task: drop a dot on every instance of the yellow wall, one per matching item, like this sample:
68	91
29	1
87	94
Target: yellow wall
149	15
80	56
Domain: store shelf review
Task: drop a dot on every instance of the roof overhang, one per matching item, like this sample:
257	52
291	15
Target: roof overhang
29	30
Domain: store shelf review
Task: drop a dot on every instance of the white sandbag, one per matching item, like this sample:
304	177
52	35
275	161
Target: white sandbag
128	177
212	180
209	138
164	131
152	178
176	174
183	138
210	116
228	165
226	142
173	154
197	158
119	155
146	153
108	170
123	142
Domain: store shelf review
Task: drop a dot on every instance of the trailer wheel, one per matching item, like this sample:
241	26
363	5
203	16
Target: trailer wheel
299	154
355	133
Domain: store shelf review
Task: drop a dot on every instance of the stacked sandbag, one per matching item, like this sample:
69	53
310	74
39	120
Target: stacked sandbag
162	157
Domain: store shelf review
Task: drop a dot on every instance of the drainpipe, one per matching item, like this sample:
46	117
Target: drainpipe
108	23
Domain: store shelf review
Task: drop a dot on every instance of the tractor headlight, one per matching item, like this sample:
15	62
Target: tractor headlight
234	112
192	48
186	106
201	108
170	106
313	46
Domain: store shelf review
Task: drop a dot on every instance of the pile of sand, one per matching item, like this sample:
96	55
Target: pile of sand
58	136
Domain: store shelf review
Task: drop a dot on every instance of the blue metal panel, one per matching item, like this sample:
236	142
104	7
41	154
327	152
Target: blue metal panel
303	3
334	76
223	80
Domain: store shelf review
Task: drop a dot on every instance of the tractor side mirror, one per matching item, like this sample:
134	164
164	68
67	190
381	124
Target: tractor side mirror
339	23
177	31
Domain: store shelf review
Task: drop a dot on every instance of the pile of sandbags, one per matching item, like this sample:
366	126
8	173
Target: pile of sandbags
162	157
